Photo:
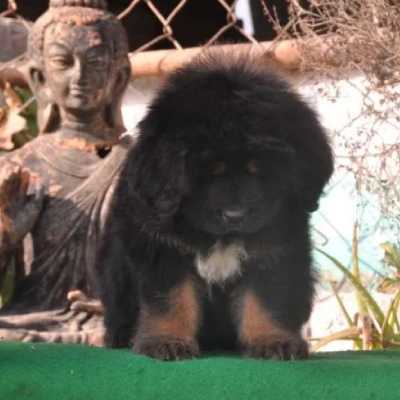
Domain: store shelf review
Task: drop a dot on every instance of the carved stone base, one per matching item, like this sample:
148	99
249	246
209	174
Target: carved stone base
80	323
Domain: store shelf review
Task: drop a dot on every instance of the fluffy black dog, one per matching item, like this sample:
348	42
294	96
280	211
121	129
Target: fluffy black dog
208	245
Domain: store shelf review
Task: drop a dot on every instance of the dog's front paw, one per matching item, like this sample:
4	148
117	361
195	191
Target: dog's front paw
278	348
166	348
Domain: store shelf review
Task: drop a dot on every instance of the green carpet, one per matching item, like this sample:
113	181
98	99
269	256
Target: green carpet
56	372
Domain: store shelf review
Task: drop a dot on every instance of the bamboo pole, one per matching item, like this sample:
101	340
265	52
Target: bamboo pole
285	54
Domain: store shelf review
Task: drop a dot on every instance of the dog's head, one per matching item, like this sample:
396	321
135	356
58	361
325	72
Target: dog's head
224	144
237	191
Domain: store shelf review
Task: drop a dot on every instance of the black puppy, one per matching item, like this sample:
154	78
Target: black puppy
208	245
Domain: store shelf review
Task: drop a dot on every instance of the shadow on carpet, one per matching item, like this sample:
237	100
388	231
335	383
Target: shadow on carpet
57	372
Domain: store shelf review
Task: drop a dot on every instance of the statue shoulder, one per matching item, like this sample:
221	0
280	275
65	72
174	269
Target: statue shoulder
12	159
22	157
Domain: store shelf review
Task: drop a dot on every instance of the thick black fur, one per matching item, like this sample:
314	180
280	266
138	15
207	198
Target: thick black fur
174	200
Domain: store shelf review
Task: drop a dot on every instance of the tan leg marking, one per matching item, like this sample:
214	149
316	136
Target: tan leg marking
181	321
256	324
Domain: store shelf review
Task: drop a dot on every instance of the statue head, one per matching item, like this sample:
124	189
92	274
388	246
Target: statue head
79	63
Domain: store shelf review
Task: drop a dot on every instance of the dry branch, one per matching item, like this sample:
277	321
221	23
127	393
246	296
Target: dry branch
363	37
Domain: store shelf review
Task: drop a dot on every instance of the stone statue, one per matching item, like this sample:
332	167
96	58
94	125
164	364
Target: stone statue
55	191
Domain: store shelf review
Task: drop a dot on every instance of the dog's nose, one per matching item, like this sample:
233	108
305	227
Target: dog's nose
234	214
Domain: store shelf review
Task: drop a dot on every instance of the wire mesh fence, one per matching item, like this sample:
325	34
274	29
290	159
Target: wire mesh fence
164	18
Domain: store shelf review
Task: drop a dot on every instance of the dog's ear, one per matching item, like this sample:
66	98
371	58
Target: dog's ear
313	161
156	179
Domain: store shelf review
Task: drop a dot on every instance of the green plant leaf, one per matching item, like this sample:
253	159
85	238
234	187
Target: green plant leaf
364	294
357	343
388	284
362	307
341	305
391	256
393	320
352	333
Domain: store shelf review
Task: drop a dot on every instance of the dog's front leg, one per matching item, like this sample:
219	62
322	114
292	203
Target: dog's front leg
271	306
264	337
169	312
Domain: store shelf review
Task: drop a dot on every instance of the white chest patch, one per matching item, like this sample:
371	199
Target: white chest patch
223	262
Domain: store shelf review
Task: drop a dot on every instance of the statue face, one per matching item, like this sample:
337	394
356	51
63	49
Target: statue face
77	66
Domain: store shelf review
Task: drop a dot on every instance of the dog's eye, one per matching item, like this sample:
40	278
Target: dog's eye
218	168
252	167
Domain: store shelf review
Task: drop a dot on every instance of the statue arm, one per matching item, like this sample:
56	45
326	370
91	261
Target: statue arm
20	206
